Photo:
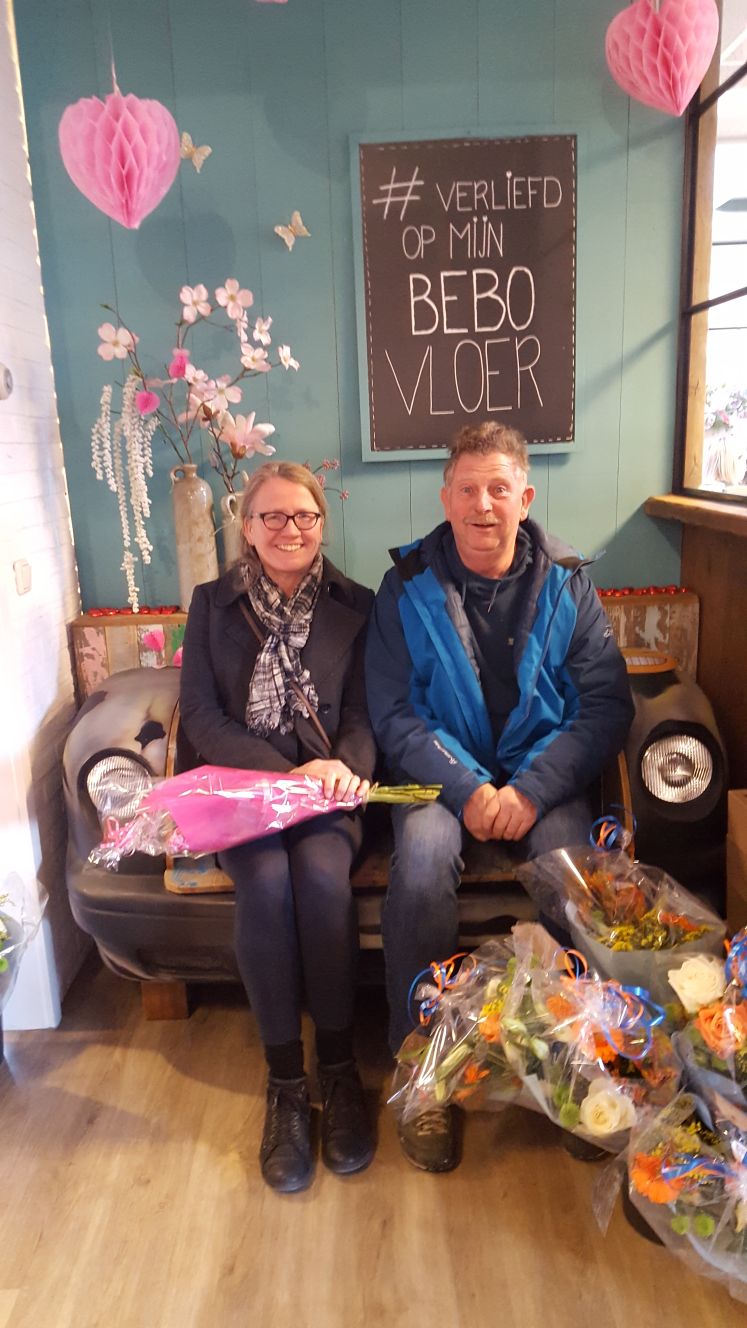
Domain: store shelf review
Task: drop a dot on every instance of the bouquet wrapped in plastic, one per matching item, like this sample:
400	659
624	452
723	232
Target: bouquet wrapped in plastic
515	1025
20	916
591	1054
214	807
688	1181
713	1044
463	1060
626	918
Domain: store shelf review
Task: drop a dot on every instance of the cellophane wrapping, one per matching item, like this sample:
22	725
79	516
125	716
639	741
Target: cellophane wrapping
688	1179
215	807
713	1043
21	912
632	922
515	1026
462	1059
591	1055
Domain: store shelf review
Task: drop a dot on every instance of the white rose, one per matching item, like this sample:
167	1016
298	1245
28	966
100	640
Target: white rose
605	1110
698	982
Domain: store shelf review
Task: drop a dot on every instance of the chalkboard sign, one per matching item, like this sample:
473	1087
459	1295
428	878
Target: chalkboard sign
466	281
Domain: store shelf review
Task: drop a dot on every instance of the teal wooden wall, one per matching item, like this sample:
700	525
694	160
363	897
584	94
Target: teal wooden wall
276	90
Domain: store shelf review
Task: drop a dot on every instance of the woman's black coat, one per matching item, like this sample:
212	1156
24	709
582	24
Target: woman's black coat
220	651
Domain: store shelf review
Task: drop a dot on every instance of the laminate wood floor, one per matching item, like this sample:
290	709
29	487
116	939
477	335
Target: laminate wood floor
131	1199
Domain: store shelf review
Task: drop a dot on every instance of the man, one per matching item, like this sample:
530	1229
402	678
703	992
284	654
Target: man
491	670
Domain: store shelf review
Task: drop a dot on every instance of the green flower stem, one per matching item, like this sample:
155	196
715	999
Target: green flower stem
454	1060
403	793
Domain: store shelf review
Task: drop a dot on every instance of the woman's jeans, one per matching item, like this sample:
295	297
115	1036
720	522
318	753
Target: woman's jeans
296	932
419	917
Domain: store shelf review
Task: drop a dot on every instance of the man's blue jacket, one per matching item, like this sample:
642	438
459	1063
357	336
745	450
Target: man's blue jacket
424	693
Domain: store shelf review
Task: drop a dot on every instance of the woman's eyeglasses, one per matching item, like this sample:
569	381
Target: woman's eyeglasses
279	520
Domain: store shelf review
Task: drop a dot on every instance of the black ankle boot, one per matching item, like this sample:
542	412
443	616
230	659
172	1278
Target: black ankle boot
348	1142
285	1152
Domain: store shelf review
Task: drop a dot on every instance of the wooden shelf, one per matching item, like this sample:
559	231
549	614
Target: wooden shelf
729	518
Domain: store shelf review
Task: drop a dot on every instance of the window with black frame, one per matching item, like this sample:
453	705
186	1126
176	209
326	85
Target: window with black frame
712	377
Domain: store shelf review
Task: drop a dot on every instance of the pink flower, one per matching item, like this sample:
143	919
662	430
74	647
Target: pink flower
286	359
178	366
177	658
262	331
223	395
330	463
116	342
195	377
255	358
155	639
244	437
201	389
233	300
146	401
194	302
344	494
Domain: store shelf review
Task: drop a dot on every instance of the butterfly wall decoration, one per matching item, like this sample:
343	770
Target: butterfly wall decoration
290	233
197	156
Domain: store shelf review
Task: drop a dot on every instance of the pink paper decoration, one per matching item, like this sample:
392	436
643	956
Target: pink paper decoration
659	53
122	153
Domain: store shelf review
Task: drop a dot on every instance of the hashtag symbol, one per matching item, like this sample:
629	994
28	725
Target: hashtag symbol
399	192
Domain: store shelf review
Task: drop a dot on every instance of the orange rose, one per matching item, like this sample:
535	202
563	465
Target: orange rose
561	1008
723	1028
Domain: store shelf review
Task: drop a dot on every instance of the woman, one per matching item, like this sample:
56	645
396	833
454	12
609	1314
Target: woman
272	679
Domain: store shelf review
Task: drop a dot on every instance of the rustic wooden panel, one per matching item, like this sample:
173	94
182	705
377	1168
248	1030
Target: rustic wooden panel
658	622
108	645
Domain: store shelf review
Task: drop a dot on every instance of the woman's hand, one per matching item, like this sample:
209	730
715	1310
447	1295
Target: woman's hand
337	780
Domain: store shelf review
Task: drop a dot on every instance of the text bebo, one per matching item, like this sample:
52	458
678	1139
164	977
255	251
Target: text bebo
479	305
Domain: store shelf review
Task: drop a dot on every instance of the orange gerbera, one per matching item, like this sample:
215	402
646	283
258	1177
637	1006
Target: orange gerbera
473	1074
645	1173
490	1028
723	1028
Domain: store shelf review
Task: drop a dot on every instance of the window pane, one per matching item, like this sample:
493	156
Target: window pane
727	271
724	465
715	386
733	37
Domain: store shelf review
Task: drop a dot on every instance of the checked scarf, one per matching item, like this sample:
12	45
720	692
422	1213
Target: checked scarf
272	703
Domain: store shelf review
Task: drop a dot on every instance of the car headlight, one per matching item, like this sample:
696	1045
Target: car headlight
677	768
115	785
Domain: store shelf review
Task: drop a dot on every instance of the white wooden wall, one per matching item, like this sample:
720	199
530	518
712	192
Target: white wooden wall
35	674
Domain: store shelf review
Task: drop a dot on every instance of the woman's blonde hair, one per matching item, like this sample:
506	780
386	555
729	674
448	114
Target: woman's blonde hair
271	470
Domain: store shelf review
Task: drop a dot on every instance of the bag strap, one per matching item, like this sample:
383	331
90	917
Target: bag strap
313	716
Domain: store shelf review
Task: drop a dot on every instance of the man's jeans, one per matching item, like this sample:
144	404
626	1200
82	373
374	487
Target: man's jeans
419	918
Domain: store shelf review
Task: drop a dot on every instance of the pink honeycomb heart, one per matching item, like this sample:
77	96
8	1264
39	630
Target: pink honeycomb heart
122	153
659	53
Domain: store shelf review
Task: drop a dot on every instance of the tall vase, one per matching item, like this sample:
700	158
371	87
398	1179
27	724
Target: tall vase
196	554
230	529
231	525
